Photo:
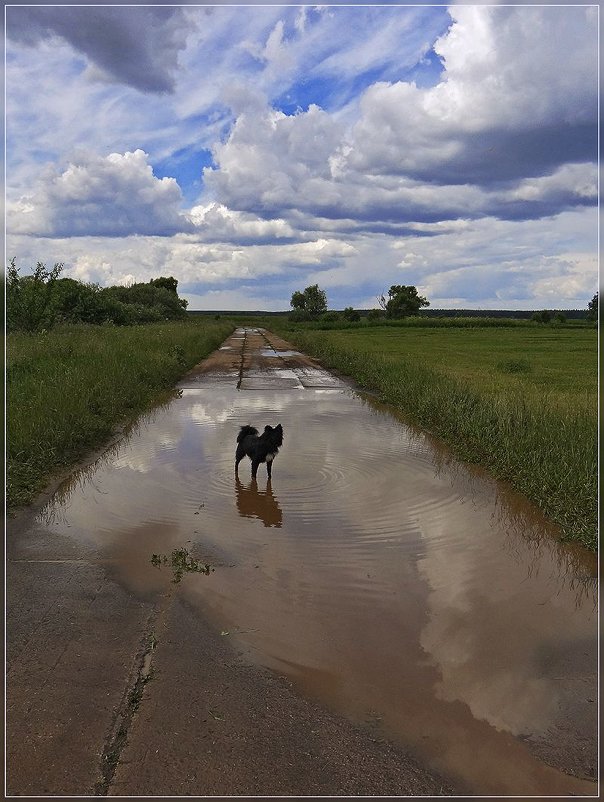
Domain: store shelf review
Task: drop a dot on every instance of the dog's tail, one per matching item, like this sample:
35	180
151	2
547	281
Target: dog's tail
245	431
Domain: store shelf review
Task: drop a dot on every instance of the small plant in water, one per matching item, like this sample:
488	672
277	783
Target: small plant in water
181	562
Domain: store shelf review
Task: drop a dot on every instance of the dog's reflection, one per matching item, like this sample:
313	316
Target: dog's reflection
255	503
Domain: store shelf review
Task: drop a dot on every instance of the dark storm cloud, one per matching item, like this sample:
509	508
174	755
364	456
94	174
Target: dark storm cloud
486	165
135	46
488	158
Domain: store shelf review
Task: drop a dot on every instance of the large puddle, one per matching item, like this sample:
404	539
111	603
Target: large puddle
401	589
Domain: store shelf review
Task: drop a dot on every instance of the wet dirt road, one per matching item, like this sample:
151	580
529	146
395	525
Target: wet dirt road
379	620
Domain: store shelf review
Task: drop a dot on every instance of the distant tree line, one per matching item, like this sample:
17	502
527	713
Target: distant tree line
518	314
42	299
404	301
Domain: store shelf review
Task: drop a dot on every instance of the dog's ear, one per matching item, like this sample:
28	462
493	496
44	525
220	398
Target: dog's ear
268	429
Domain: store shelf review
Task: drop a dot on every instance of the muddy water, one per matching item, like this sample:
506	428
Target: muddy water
420	598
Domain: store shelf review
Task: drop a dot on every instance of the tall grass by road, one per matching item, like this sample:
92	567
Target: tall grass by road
68	389
521	401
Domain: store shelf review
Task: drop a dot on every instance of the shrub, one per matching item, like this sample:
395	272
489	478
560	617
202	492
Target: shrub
170	284
82	303
330	317
29	298
166	303
40	300
299	316
351	314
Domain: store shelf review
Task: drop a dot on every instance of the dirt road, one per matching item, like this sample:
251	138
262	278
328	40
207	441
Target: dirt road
323	653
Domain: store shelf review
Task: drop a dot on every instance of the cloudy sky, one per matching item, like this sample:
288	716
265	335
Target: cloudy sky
252	151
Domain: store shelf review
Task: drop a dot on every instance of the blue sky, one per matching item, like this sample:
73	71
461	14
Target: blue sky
252	151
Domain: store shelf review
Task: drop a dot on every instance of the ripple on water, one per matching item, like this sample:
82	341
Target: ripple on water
342	505
368	557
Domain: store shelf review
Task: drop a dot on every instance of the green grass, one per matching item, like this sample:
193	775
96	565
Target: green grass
68	389
559	362
520	400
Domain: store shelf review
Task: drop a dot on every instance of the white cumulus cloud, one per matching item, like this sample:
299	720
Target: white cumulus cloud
115	195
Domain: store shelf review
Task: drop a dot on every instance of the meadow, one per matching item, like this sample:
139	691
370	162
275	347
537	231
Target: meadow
70	388
519	399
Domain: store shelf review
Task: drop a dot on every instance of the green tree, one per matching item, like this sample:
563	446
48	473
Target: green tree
313	300
149	301
402	300
169	283
298	300
316	300
592	308
29	298
40	300
76	302
542	317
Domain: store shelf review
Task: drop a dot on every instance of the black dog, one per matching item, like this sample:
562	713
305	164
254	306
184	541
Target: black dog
263	448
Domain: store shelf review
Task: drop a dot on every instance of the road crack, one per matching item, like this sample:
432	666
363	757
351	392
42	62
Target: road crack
243	344
129	705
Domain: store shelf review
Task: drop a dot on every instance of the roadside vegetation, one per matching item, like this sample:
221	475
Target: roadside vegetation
39	300
517	396
70	388
71	385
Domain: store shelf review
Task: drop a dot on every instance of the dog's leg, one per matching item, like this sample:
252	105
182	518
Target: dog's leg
239	455
255	463
269	466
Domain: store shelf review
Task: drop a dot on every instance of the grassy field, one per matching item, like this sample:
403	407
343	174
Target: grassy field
68	389
557	363
521	400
